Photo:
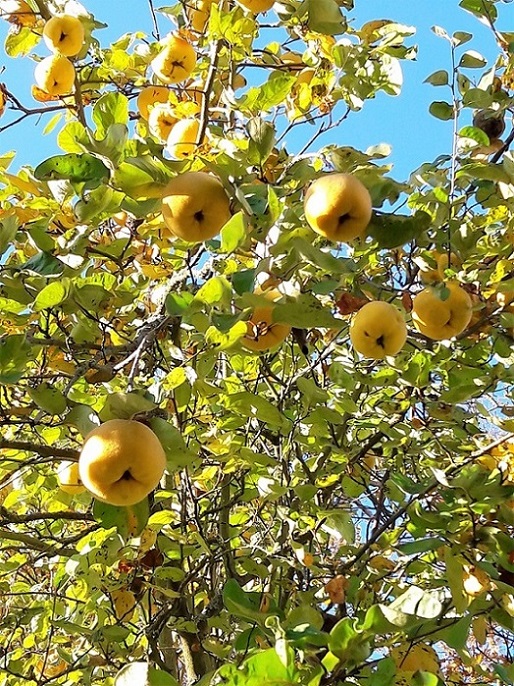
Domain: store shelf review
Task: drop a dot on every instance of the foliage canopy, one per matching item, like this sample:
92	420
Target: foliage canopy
319	509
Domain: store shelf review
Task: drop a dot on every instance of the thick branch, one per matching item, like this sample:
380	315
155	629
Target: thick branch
35	544
7	517
43	450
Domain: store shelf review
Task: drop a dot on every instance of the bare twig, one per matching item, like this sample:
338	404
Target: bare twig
155	33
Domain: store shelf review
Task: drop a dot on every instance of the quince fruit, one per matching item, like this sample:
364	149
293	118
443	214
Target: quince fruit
150	96
195	206
55	75
121	462
262	332
257	6
176	61
182	138
441	315
378	330
69	479
64	34
338	207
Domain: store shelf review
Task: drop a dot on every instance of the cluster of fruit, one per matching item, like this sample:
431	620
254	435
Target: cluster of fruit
337	206
64	35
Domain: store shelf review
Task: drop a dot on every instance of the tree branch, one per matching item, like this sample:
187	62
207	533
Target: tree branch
43	450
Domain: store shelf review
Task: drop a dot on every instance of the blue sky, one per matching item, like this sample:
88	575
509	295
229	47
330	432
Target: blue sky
403	121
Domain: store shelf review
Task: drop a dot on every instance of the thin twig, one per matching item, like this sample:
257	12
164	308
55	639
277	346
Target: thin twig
155	33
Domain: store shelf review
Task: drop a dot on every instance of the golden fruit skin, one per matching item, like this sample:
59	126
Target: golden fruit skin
430	276
150	96
55	75
198	12
256	6
69	479
64	34
121	462
378	330
262	333
175	62
338	207
182	138
195	206
441	319
161	120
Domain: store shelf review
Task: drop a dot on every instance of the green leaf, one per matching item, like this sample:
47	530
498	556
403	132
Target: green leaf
15	354
241	604
480	9
48	398
271	94
305	312
141	673
422	545
441	110
341	523
324	16
348	643
426	679
50	126
52	295
322	258
178	455
243	281
475	134
250	405
178	303
265	668
8	229
75	167
312	392
111	108
380	620
93	203
487	172
45	264
125	406
461	37
128	521
83	418
20	43
455	579
384	673
261	140
156	677
73	138
438	78
395	230
224	340
234	233
456	635
472	60
215	290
